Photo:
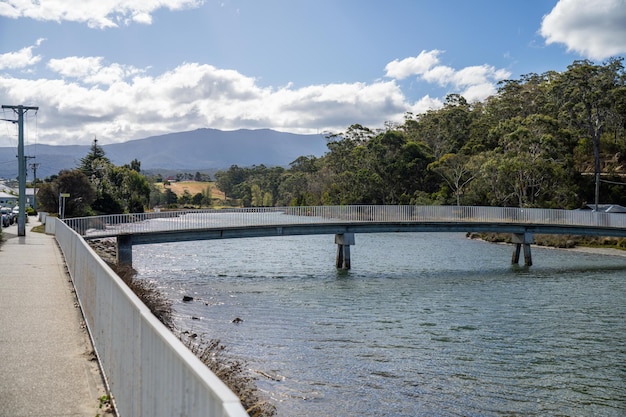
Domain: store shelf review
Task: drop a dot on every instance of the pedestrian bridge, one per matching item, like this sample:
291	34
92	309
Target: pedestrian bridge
344	222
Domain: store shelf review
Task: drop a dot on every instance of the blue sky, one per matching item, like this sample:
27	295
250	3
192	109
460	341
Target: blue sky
127	69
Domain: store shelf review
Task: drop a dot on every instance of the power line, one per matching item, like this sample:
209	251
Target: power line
10	135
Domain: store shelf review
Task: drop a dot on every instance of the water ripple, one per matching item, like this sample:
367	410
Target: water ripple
424	324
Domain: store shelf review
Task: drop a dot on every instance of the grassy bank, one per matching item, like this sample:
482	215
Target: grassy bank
558	241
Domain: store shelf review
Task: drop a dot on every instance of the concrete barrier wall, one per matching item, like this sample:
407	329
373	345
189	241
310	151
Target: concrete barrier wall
148	369
49	222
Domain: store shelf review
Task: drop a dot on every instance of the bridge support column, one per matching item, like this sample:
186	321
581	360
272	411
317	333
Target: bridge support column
343	242
125	250
522	240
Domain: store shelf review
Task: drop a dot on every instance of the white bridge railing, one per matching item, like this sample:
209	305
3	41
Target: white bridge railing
96	226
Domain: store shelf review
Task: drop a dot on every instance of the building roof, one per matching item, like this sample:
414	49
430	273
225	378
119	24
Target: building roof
607	208
4	195
7	190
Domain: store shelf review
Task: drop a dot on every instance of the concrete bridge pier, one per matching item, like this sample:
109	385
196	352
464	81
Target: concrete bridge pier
343	241
522	239
124	250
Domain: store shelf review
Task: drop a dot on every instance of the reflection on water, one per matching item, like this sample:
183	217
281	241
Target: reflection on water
424	324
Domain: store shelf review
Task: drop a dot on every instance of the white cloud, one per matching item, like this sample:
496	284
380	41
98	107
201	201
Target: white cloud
119	103
87	96
473	82
20	59
90	70
74	66
132	104
478	92
424	104
96	13
401	69
595	29
441	75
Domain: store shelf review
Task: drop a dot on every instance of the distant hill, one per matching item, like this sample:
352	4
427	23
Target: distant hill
197	150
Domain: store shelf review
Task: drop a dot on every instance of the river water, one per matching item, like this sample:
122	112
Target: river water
423	324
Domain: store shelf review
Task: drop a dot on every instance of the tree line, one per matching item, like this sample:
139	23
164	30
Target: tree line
554	140
96	186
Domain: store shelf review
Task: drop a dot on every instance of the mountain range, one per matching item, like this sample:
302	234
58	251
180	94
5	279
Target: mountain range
204	150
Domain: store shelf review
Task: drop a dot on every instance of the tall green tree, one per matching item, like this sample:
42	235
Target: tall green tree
588	97
77	185
445	130
456	172
529	167
130	188
228	180
92	163
207	199
400	165
345	168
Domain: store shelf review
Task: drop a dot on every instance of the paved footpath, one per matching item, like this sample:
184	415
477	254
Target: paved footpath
47	365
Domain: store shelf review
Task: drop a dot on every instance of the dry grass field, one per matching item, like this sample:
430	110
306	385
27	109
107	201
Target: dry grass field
193	187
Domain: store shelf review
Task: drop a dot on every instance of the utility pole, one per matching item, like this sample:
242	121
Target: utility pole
21	164
34	166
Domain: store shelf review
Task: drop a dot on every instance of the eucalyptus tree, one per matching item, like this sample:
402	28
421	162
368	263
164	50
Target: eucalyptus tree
529	167
257	195
228	180
342	163
257	185
293	190
492	185
590	100
397	167
444	130
456	171
522	98
300	185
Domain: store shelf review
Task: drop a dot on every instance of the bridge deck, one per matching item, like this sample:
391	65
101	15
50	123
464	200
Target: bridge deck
343	222
367	219
232	232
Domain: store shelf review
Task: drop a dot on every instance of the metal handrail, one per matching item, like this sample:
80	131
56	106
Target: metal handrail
116	224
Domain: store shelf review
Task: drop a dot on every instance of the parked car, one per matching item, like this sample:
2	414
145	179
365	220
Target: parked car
7	216
15	213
